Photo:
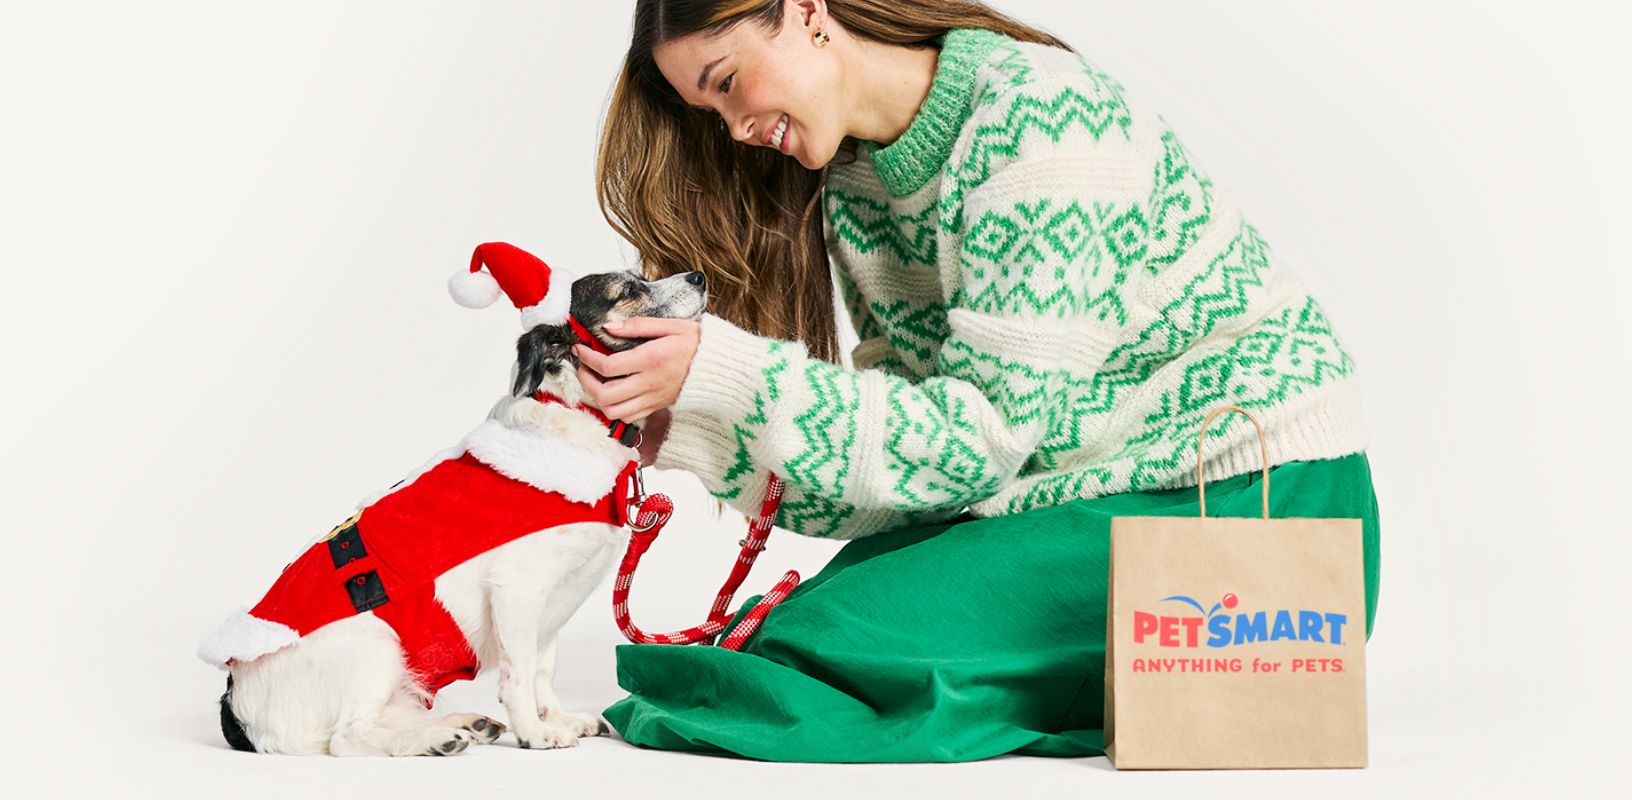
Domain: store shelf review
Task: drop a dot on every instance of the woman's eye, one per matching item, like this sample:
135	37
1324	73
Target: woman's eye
725	85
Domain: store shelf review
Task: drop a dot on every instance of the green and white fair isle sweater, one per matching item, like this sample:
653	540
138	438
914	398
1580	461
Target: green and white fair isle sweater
1050	295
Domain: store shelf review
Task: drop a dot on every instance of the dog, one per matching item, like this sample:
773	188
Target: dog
362	684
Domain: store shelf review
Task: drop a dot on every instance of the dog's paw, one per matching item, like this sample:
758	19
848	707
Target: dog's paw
581	724
549	737
453	746
486	730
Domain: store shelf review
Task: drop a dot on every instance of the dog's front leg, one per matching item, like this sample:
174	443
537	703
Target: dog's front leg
517	614
549	705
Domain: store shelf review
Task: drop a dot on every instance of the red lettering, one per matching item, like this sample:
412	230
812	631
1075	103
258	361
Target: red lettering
1167	629
1192	628
1317	665
1170	632
1144	624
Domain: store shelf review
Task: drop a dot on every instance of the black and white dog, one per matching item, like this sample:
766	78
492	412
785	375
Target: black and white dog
348	687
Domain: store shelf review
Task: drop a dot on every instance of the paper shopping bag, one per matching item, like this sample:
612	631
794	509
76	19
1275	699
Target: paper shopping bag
1235	643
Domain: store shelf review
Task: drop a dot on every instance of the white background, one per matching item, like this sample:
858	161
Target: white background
225	229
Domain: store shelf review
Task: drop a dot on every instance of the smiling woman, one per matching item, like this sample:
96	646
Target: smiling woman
780	92
1050	296
673	178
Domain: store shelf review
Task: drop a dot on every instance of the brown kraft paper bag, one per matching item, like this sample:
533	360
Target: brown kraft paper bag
1233	642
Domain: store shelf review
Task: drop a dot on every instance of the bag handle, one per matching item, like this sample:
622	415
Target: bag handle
1263	449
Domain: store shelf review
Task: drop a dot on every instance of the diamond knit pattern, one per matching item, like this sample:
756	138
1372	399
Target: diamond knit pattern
1050	295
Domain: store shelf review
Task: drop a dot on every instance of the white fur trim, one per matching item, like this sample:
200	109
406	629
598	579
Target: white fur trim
557	302
473	289
552	310
553	463
241	637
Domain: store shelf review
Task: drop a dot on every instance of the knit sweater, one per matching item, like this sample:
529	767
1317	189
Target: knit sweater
1050	295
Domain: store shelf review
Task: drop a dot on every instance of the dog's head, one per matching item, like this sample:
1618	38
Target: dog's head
544	356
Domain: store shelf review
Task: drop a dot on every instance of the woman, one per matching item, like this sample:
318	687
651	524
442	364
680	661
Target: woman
1050	296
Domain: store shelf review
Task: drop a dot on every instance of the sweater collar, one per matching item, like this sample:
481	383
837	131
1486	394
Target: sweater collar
906	164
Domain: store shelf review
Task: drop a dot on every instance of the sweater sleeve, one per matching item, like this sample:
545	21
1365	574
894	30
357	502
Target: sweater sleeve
1033	285
873	350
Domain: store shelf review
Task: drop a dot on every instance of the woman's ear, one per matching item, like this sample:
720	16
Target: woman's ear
541	353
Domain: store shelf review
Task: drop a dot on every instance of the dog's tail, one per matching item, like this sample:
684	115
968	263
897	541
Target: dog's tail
231	727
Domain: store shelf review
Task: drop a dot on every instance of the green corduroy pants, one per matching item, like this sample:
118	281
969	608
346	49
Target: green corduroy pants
950	642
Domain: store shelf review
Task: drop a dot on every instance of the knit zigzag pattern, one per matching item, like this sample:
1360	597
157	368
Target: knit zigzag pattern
1050	295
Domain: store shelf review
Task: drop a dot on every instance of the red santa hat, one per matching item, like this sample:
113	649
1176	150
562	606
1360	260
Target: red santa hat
544	298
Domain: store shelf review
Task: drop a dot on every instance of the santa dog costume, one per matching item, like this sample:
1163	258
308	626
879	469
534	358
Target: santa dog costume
475	558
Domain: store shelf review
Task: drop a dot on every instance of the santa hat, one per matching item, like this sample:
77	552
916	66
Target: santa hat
544	299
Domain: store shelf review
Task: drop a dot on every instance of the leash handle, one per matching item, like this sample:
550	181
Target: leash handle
755	616
648	522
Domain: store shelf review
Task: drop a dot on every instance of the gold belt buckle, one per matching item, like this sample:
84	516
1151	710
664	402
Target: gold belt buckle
342	526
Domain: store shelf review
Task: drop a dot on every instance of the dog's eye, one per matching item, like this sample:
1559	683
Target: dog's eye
631	291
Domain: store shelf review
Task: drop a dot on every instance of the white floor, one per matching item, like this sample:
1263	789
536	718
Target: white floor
228	226
1423	739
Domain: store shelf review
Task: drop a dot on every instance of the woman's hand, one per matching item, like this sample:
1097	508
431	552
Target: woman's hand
634	383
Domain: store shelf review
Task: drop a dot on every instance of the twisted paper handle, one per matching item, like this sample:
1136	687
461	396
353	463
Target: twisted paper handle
1263	449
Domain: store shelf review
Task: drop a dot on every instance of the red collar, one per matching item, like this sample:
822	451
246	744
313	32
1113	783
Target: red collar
547	397
627	434
587	337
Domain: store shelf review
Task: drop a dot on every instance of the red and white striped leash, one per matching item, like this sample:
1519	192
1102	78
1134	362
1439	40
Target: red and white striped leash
647	522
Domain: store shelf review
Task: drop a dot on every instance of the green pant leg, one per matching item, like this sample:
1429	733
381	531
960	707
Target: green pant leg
961	645
977	638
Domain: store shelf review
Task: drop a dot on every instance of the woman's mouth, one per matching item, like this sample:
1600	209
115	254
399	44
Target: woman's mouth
779	137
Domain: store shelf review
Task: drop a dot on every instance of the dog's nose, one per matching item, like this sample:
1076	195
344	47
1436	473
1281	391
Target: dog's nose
696	278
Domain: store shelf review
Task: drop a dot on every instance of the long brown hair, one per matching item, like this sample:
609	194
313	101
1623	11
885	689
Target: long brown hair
671	180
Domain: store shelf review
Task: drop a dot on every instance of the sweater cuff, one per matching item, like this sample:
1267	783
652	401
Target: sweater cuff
699	444
724	373
718	392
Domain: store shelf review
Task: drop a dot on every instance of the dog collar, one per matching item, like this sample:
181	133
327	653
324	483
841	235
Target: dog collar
587	337
627	434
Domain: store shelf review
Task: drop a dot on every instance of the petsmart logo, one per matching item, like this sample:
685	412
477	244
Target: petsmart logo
1230	629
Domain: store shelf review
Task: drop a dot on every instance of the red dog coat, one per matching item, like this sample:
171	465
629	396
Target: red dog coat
387	557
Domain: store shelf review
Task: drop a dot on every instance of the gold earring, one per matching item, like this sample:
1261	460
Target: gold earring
820	38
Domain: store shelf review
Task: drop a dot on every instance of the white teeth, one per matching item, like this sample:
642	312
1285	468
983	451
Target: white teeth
781	130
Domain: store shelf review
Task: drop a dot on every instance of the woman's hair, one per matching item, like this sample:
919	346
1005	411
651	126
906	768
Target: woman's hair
671	180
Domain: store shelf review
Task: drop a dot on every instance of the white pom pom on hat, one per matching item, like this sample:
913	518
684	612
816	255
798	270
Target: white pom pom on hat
473	289
543	297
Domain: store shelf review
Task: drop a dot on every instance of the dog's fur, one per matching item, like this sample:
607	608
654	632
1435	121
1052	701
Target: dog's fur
345	689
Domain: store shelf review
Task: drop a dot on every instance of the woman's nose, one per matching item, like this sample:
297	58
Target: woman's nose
742	128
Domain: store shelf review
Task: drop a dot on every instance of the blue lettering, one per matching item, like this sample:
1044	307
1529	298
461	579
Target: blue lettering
1309	626
1283	627
1336	621
1251	629
1219	627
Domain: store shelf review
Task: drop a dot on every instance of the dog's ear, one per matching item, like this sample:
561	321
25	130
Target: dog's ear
540	353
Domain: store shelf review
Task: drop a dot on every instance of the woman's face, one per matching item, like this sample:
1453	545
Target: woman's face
756	79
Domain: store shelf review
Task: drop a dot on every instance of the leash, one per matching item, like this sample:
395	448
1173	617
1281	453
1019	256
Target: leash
647	521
